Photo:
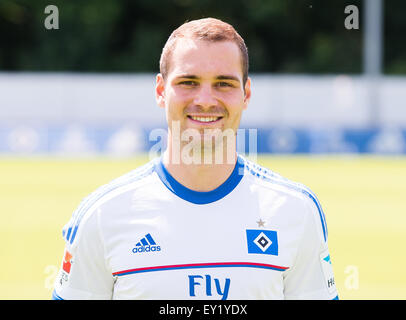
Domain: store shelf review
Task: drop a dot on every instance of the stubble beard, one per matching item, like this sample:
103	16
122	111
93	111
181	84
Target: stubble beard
202	146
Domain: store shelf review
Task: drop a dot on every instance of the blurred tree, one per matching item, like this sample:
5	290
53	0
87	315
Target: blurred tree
283	36
394	60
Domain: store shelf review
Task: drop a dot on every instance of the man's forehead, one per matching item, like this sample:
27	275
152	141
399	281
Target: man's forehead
187	46
192	55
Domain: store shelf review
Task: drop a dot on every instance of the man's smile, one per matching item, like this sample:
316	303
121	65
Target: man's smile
205	119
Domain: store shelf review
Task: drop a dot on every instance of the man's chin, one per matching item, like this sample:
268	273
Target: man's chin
216	151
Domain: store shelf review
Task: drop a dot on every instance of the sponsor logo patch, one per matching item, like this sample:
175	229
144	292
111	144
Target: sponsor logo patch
327	271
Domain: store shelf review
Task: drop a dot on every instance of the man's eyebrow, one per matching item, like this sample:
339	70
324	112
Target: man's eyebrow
187	76
228	77
220	77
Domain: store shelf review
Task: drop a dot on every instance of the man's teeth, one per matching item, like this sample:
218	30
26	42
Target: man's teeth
204	119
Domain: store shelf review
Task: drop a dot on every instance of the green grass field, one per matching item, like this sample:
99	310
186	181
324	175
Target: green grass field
364	199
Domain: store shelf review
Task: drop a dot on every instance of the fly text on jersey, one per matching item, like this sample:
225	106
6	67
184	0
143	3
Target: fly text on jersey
205	285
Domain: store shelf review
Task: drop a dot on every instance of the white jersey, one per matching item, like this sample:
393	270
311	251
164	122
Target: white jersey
146	236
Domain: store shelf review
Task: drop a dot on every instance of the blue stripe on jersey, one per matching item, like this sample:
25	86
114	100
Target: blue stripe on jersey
198	197
268	175
321	213
55	296
101	192
201	266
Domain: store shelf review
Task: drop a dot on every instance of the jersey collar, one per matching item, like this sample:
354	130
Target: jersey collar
198	197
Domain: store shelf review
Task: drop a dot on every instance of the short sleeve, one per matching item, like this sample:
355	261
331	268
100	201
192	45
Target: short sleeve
311	277
84	273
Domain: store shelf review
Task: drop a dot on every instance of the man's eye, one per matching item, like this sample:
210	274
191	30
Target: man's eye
223	84
188	83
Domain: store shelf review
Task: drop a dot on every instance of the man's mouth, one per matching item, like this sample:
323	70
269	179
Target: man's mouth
205	119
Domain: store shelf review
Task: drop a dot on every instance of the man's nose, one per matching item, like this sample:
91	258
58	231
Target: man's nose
205	96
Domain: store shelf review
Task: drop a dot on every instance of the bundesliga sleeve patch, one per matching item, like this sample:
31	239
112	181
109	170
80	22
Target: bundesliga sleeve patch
67	261
262	242
64	272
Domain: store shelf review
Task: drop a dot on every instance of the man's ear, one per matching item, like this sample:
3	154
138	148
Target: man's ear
160	90
247	92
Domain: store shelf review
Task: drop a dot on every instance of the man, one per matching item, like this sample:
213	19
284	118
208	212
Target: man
201	222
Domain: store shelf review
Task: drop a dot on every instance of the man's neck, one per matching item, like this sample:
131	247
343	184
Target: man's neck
202	176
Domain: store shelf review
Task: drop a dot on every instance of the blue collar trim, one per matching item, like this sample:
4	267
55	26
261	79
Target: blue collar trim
198	197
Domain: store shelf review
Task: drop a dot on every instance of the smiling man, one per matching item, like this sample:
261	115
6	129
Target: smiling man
204	88
200	222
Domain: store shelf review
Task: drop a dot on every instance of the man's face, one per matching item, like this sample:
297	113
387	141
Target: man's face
204	87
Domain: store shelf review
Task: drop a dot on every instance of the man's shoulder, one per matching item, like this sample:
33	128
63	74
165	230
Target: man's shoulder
295	191
138	175
270	179
105	194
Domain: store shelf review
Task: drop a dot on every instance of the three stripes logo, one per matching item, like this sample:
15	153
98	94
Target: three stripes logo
146	244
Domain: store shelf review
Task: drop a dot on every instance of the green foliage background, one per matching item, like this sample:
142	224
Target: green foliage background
283	36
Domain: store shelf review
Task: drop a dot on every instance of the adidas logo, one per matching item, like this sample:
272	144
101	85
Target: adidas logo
146	244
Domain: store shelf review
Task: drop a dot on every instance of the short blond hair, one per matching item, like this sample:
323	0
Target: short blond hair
207	29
